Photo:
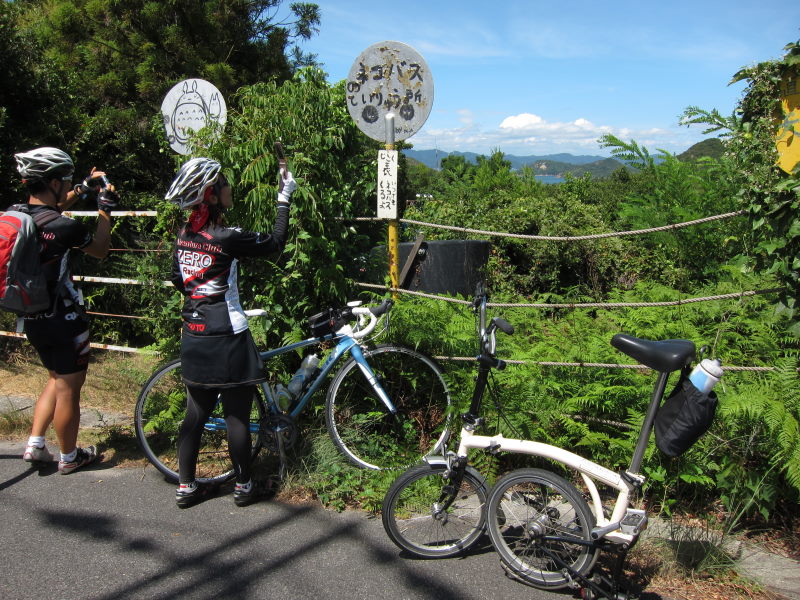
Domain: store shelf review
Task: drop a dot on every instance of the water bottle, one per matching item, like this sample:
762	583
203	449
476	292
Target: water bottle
706	375
282	397
299	379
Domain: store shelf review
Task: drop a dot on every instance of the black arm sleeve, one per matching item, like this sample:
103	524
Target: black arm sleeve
176	278
250	243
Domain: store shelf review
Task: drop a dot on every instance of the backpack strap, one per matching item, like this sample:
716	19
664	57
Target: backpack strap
43	218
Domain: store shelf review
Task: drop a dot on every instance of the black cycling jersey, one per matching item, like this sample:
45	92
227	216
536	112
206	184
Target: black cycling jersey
205	269
56	238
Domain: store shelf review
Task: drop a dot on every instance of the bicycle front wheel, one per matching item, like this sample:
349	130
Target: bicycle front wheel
362	427
415	519
160	410
539	524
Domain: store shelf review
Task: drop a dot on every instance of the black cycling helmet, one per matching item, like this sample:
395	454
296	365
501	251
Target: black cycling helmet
43	164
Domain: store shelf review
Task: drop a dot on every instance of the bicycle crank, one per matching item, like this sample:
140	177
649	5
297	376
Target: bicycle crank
278	426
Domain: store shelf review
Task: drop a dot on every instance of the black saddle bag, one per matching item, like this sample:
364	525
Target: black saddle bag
684	417
326	323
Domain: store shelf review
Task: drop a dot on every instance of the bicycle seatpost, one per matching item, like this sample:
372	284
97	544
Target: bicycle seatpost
649	419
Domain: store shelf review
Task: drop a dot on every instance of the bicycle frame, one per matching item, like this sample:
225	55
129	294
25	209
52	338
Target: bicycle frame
346	341
589	472
344	345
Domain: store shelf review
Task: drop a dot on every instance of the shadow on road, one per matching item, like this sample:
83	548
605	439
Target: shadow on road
208	571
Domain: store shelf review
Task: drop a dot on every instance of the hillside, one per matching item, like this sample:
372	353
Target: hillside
433	158
712	148
563	163
599	168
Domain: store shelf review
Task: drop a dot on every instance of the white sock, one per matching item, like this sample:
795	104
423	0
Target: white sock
69	457
36	440
245	487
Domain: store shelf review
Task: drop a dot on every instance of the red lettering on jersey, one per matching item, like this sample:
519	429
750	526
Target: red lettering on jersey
196	326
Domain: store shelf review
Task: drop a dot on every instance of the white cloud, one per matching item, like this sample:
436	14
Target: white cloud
527	133
521	121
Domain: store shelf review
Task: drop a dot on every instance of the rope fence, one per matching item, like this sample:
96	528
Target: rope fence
679	302
564	305
565	238
544	363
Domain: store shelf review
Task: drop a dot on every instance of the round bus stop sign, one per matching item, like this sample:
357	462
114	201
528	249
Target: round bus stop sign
389	77
189	106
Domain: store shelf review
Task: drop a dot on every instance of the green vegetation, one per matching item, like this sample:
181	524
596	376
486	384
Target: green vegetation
751	459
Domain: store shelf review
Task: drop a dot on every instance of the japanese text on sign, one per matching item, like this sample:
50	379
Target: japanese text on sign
387	184
389	77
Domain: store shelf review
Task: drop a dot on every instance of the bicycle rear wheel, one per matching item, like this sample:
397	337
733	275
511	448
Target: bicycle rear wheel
360	424
160	410
415	521
531	516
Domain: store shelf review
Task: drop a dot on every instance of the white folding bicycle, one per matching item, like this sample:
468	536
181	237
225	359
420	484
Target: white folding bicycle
543	528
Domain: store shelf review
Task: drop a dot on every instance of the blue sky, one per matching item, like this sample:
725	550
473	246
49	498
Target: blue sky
534	77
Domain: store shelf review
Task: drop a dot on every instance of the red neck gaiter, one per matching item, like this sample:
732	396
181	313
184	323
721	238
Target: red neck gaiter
199	217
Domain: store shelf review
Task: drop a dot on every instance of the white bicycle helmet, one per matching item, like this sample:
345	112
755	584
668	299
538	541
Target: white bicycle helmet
192	180
44	163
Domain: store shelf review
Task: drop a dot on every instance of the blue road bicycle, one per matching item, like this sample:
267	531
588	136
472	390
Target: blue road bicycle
386	406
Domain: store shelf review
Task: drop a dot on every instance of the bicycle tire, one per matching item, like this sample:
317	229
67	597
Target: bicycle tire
525	505
160	410
361	427
412	522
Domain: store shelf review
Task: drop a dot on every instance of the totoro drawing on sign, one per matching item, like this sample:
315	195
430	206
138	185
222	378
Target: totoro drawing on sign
188	107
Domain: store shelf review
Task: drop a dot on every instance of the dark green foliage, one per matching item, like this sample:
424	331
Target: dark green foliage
135	50
771	196
31	87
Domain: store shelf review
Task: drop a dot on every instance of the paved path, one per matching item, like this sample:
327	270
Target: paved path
104	533
115	532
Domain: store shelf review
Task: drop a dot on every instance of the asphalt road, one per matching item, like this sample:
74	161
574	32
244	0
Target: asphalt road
102	533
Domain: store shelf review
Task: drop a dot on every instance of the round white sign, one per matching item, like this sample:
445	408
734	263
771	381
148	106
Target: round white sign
389	77
189	106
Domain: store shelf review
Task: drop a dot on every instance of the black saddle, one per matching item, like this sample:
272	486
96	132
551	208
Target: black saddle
664	356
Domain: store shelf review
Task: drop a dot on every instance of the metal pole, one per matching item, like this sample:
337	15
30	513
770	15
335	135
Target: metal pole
394	243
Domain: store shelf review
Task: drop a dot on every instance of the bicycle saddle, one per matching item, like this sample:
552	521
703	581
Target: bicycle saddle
664	356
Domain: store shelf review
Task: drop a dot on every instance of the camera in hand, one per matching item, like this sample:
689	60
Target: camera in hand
95	182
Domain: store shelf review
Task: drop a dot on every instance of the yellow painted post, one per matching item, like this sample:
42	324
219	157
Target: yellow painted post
394	241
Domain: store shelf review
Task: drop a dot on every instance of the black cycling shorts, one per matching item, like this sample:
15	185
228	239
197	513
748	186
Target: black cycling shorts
62	340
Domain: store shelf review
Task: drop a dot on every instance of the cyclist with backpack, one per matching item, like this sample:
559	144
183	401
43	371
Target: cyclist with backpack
218	356
60	334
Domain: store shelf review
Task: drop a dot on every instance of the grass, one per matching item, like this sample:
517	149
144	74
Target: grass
112	385
15	423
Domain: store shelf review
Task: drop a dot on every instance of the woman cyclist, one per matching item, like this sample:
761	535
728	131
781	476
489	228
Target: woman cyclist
218	355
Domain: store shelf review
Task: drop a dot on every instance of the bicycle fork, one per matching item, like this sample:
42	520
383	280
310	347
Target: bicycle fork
372	379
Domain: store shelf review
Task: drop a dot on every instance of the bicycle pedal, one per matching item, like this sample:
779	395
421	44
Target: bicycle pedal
634	521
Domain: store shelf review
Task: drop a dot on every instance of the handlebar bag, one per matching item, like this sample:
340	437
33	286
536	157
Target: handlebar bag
684	417
325	323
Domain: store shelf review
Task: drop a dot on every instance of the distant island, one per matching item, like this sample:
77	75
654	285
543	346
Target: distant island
559	165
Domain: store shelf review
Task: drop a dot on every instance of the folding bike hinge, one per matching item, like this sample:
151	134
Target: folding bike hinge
493	449
634	480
